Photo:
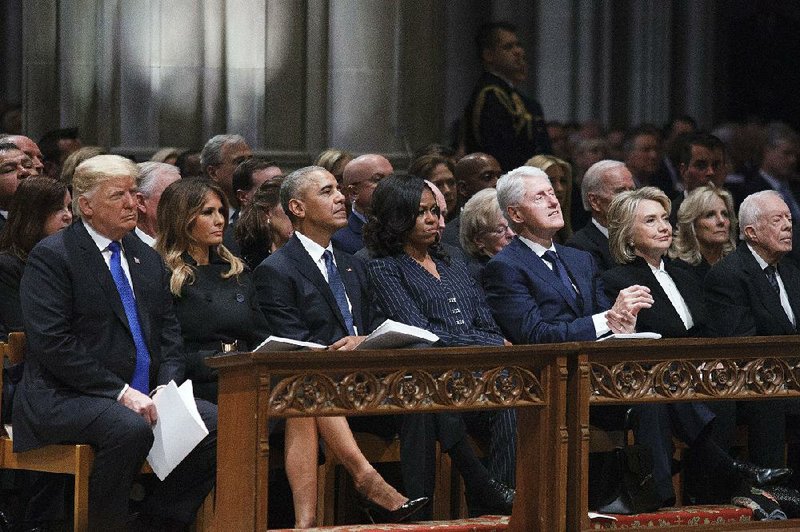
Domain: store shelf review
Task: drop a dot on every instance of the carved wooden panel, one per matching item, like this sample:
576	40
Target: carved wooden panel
701	379
380	391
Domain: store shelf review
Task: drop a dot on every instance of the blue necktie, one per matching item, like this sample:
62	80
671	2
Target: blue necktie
772	278
141	374
561	272
337	287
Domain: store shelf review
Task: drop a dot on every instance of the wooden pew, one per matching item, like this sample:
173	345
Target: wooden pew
668	370
255	387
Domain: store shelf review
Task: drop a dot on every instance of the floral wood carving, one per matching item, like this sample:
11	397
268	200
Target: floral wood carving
676	379
377	391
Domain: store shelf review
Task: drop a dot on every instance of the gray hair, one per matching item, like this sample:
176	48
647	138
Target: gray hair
750	209
511	188
593	179
477	217
212	151
148	175
293	184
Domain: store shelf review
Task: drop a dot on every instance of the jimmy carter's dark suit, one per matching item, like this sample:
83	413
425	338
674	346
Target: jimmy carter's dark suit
741	302
590	239
349	238
689	420
80	355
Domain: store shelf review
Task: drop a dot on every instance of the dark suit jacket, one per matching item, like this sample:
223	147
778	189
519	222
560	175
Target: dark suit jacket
11	268
349	238
80	347
299	304
662	317
741	301
532	306
592	240
450	235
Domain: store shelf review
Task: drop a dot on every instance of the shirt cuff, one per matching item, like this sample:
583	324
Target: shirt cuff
124	389
601	327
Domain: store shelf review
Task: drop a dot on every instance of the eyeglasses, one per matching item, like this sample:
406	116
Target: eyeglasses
500	230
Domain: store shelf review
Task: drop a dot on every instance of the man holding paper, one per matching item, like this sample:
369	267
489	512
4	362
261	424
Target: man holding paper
102	336
312	292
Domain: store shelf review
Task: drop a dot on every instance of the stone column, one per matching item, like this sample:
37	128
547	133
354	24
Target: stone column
363	93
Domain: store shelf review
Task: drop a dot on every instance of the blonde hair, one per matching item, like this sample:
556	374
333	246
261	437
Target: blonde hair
685	245
478	216
92	172
179	206
621	215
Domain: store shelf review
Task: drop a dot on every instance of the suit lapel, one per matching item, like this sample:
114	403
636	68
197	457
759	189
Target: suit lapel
770	299
309	270
98	268
536	265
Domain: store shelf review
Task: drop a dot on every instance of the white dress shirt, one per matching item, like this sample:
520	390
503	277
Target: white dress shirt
673	294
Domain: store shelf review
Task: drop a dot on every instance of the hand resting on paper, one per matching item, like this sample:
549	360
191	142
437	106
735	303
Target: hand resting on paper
348	343
140	403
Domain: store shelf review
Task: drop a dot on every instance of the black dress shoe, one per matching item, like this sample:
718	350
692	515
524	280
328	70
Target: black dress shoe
379	514
788	498
760	476
496	499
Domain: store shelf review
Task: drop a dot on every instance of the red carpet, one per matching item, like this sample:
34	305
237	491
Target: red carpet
686	515
487	523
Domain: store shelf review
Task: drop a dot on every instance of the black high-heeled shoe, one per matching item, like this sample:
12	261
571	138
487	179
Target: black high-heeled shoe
379	514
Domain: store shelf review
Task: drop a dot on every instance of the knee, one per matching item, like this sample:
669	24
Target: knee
136	433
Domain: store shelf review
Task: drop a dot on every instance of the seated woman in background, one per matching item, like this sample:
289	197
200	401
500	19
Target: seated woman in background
706	231
213	291
560	173
263	227
415	282
438	169
483	231
640	236
216	304
40	207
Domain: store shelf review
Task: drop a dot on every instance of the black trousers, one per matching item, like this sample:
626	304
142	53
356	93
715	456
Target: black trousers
121	440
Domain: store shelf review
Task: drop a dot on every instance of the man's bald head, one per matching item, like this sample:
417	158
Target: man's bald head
361	176
29	148
475	172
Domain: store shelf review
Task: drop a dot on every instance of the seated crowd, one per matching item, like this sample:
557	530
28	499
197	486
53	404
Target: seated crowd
124	277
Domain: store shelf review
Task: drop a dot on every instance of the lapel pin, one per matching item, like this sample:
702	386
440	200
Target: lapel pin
349	269
136	260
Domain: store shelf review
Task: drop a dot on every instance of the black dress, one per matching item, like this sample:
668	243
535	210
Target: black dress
213	310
